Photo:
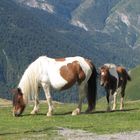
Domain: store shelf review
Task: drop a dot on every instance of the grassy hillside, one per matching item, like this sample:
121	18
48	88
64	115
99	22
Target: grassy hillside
43	127
133	87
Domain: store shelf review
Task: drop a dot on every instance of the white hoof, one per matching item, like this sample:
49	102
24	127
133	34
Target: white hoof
114	108
49	114
121	108
34	112
76	112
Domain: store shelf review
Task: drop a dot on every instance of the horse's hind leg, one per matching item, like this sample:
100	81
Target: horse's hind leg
82	89
49	99
115	101
122	98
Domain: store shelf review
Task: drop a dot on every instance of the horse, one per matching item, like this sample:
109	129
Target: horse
114	79
59	74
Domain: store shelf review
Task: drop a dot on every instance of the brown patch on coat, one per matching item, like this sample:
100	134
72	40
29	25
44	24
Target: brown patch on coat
72	72
123	75
60	59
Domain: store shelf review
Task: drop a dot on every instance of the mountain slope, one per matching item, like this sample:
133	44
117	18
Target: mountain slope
26	34
124	21
93	13
30	31
117	20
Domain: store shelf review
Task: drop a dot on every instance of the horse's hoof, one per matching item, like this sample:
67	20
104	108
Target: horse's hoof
88	111
76	112
34	112
49	114
121	109
113	109
108	109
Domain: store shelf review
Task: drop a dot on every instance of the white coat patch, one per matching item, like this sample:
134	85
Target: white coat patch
113	71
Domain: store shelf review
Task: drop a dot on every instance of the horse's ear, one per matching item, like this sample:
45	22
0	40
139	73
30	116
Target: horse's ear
19	90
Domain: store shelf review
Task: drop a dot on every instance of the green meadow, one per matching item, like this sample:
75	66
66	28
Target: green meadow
42	127
34	127
133	87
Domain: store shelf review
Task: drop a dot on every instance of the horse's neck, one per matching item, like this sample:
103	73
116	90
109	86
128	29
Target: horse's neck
27	82
23	86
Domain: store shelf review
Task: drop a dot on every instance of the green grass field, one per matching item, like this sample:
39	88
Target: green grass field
133	87
34	127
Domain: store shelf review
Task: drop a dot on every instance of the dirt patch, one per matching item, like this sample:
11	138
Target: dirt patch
5	103
70	134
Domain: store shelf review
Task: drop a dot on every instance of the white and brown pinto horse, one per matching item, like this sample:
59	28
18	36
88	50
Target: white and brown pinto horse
114	79
59	74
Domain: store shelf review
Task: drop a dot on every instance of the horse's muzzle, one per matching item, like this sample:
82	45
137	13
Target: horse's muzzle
16	114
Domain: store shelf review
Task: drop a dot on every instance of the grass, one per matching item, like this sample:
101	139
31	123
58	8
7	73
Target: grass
42	127
133	87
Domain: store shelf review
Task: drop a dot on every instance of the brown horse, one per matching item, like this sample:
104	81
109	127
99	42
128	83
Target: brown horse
59	74
114	79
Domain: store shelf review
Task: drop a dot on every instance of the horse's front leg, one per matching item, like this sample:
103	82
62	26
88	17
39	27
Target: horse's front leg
108	92
36	107
49	99
36	104
82	94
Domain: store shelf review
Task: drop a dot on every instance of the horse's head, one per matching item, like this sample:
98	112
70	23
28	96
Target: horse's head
104	75
18	102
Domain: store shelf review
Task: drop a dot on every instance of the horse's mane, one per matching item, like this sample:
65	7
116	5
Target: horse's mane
28	82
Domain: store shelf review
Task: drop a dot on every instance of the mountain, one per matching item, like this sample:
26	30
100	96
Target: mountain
26	34
113	23
113	17
90	28
118	18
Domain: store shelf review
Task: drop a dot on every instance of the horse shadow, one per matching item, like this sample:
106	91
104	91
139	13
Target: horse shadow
94	112
112	111
100	111
44	114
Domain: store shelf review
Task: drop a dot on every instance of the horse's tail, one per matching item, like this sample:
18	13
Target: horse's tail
128	76
92	90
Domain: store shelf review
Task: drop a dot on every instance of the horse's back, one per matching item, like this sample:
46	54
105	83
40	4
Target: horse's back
53	70
112	70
